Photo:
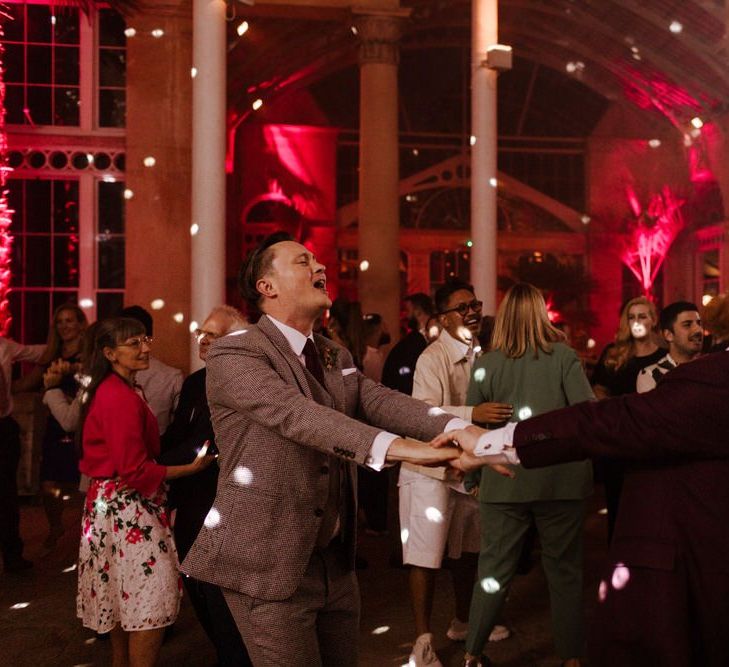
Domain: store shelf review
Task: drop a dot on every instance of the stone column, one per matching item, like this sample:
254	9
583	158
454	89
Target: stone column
207	261
484	33
158	173
379	174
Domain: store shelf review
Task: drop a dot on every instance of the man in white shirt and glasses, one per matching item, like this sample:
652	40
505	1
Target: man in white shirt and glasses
435	510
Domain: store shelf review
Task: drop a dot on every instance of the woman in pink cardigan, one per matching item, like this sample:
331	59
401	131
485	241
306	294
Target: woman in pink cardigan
128	569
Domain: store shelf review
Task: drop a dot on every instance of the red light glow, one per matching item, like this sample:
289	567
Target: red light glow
6	239
650	235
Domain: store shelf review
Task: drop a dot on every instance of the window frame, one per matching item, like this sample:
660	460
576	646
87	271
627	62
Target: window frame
89	84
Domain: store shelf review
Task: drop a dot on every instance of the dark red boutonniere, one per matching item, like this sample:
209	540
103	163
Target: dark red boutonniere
329	356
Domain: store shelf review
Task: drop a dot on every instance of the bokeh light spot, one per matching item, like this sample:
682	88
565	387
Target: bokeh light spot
602	591
243	475
524	413
490	585
621	576
434	514
212	519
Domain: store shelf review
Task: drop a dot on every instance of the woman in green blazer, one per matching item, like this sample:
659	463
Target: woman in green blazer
530	367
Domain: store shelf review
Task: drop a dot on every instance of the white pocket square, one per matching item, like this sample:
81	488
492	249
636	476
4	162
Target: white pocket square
348	371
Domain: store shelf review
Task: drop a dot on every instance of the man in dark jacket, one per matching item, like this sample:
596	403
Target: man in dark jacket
399	367
664	599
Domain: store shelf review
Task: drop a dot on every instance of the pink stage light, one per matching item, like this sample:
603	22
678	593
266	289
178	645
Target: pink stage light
553	314
650	235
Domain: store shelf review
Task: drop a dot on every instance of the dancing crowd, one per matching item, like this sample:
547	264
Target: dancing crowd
243	472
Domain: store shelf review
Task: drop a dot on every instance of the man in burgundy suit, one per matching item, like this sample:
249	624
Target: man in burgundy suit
664	599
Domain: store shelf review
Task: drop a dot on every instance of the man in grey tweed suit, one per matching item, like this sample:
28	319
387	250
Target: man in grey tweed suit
292	415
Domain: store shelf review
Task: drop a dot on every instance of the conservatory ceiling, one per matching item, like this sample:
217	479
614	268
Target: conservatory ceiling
667	57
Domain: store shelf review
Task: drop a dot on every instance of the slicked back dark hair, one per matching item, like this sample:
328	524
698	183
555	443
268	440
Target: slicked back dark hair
423	301
670	313
255	266
444	293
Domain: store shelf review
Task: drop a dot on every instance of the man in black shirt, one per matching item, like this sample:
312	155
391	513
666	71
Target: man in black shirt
399	367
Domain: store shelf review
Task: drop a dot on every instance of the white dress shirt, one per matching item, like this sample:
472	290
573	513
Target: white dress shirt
496	446
647	377
161	385
383	440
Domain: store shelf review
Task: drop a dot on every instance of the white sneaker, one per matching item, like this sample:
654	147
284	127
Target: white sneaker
423	652
457	631
499	632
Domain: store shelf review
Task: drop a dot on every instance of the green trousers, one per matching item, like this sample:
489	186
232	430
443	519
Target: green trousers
503	529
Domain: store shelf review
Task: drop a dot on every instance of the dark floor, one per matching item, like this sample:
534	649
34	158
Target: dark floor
47	633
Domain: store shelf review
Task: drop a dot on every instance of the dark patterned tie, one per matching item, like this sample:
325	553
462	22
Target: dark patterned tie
311	360
334	510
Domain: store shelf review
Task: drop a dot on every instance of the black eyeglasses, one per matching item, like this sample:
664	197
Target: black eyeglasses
137	343
463	308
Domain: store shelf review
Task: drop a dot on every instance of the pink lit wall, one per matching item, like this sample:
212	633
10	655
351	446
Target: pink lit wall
620	161
294	165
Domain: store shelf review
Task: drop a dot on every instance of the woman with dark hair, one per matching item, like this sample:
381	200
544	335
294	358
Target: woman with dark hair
345	327
530	367
376	337
128	582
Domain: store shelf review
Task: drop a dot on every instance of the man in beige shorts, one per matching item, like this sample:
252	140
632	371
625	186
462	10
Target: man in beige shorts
435	510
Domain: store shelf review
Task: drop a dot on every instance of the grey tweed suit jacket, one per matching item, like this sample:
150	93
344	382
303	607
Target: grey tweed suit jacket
275	438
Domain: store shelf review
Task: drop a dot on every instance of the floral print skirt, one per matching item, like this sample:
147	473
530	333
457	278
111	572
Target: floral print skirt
128	571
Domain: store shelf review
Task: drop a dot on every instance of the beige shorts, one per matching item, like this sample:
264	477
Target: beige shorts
433	515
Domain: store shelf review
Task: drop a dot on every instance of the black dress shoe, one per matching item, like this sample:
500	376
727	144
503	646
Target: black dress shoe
18	564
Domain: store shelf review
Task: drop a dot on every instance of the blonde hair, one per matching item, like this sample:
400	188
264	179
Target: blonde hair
623	350
55	344
716	317
522	324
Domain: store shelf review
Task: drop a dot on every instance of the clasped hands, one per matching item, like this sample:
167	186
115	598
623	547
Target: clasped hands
454	448
56	372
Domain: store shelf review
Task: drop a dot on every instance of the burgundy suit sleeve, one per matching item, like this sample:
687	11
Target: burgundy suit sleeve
685	417
123	416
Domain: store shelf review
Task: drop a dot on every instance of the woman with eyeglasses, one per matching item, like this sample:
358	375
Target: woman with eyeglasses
530	367
128	582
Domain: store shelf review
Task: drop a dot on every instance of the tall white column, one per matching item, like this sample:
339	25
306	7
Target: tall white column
484	27
208	161
379	172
